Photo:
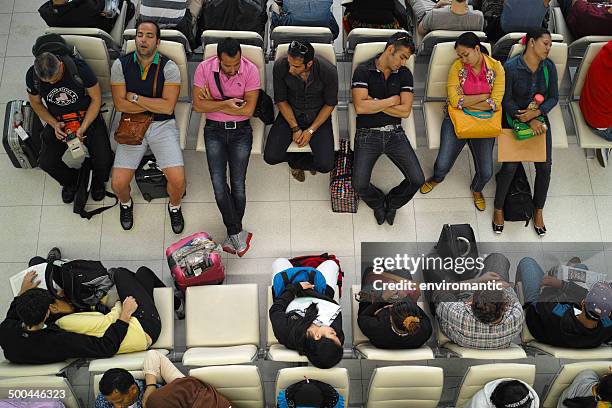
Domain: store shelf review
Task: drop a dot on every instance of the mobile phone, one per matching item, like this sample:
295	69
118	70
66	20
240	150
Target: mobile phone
241	103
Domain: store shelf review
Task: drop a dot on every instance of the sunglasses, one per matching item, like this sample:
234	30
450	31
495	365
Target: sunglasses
299	47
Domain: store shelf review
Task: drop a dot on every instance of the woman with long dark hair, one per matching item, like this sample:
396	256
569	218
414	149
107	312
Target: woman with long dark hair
307	320
476	83
527	75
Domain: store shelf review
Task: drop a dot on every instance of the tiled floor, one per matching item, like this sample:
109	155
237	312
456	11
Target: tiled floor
287	218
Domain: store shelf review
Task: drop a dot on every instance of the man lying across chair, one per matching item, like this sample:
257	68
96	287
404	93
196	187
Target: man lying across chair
562	313
40	328
588	391
118	388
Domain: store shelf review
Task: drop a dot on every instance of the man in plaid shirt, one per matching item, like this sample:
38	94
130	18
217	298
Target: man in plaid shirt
487	319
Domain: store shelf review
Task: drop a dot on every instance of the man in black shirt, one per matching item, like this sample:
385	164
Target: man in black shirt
305	91
562	313
80	13
382	94
27	337
71	92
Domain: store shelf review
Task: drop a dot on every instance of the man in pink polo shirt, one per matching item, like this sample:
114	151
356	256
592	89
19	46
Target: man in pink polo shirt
225	88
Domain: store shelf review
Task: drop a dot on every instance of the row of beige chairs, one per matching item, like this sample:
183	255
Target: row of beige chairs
229	334
93	50
389	387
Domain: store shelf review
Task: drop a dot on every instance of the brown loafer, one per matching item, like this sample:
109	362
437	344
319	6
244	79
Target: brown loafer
298	175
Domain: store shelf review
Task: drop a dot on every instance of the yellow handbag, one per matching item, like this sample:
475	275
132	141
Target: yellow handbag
475	124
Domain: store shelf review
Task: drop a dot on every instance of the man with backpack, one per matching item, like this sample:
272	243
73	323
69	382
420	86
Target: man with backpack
562	313
27	335
226	88
72	101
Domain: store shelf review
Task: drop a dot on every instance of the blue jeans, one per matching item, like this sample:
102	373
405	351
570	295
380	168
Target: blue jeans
451	146
606	133
309	13
530	274
369	146
231	147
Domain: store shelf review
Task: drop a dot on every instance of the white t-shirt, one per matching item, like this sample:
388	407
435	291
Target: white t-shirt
328	311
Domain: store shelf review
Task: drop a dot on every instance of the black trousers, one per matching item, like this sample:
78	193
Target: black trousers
140	285
322	145
97	143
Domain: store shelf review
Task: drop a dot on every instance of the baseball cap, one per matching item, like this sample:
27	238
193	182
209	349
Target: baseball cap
598	302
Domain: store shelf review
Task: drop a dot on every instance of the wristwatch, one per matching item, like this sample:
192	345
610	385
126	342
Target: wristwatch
135	98
311	131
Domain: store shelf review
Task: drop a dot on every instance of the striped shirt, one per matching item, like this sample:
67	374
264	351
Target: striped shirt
458	323
166	13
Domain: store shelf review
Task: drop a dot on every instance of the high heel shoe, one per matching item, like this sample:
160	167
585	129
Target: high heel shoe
541	231
498	229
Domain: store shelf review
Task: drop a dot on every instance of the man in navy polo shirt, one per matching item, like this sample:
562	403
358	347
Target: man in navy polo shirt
132	81
382	95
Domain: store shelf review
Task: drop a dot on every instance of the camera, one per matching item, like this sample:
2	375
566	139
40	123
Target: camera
74	144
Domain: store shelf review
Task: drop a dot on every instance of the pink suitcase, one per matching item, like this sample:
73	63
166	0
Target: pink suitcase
194	261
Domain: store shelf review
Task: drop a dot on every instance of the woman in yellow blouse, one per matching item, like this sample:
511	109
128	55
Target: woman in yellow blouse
476	82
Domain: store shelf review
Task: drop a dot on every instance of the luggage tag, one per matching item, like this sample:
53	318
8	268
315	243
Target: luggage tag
23	135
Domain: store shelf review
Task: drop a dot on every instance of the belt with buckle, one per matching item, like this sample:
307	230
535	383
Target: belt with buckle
388	128
228	125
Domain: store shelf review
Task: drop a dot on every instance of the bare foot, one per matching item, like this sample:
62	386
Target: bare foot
538	218
498	216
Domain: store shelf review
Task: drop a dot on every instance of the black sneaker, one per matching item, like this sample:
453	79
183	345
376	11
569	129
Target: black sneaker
54	254
176	220
126	216
98	189
68	194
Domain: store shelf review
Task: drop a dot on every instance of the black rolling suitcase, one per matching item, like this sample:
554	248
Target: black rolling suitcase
21	137
150	179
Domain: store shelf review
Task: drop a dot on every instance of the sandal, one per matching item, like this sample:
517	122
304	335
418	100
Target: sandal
479	201
427	186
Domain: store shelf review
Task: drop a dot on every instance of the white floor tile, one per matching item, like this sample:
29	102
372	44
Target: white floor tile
271	226
2	105
367	229
601	178
313	188
26	6
604	215
5	23
594	260
315	228
19	238
52	193
145	241
571	219
198	217
570	173
432	214
457	182
265	182
6	6
25	28
3	42
13	77
77	237
199	187
20	186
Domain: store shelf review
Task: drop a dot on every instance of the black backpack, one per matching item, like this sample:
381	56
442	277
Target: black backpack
55	44
84	283
518	205
310	393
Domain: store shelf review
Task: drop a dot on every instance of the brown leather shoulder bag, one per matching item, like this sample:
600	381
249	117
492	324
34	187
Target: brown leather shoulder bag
133	126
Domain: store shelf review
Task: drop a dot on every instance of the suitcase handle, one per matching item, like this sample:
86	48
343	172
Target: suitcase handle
467	243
